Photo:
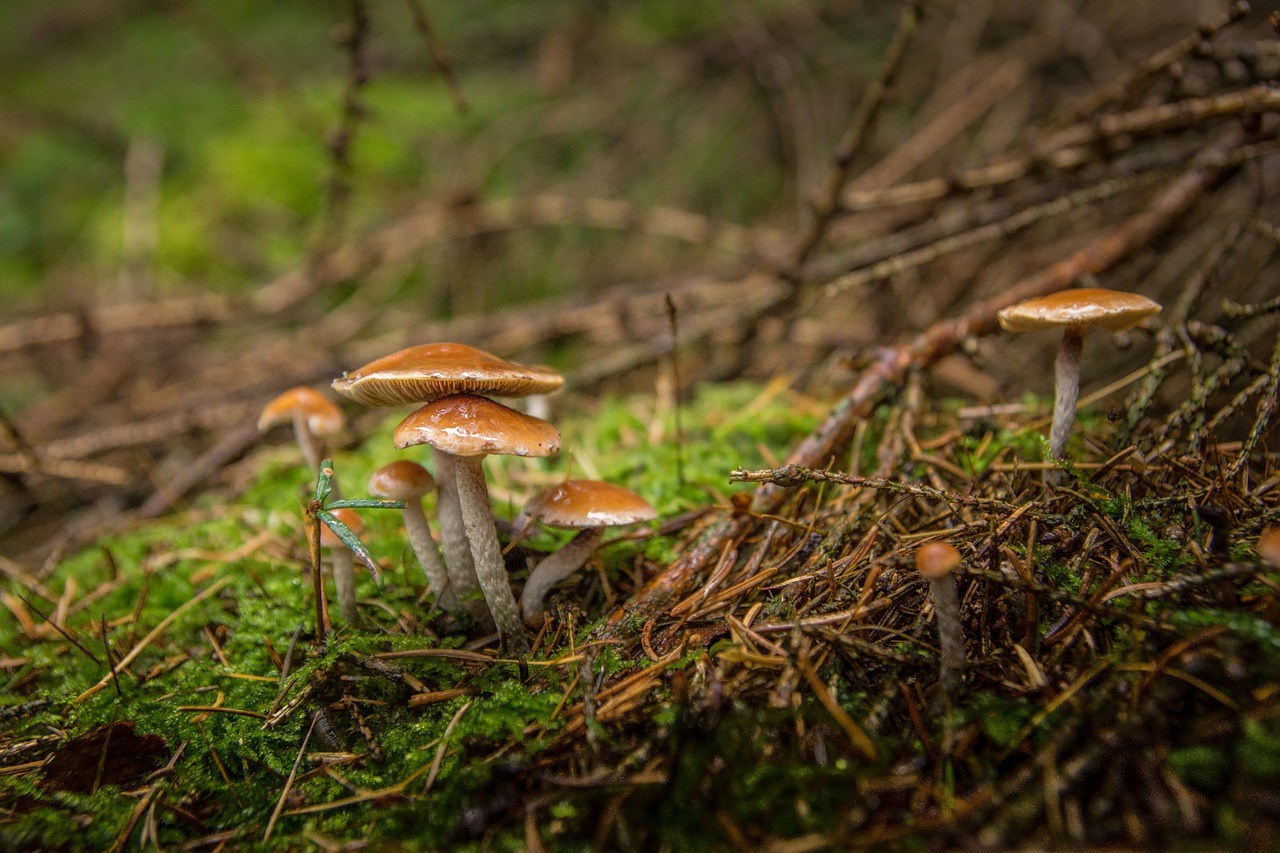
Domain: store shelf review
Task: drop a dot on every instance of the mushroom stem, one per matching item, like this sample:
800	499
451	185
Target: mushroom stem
306	441
312	450
1066	390
453	539
555	568
491	572
946	606
424	548
344	582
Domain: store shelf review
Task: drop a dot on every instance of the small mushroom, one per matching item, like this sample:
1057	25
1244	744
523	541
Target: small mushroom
465	428
1072	311
588	506
935	562
344	564
407	481
313	415
1269	546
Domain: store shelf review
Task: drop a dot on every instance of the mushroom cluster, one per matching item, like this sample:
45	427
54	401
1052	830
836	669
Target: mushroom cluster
452	384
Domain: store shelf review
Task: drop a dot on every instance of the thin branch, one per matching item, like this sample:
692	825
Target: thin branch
860	127
288	783
790	476
439	55
888	373
1135	76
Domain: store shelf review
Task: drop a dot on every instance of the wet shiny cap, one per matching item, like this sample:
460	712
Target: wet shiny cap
468	425
588	503
1085	306
430	371
936	560
322	414
401	480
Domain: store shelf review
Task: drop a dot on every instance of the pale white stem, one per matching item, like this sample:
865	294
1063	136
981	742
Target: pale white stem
555	568
344	582
946	608
1066	391
491	571
453	539
312	451
306	441
424	548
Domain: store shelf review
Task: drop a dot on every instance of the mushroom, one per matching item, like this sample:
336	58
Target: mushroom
313	415
935	562
1269	546
430	371
344	564
1072	310
588	506
427	372
407	481
464	428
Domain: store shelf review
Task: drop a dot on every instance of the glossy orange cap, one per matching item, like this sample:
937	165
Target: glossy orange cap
430	371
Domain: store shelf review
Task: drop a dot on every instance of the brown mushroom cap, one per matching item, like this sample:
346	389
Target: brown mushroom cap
1085	306
468	425
322	414
329	539
402	480
431	371
588	503
936	560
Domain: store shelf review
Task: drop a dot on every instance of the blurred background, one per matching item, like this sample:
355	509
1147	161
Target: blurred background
204	203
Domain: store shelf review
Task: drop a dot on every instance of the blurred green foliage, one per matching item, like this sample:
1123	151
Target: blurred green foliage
240	100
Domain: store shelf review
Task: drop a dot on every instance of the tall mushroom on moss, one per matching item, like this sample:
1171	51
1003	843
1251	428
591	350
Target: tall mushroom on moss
1072	311
588	506
407	481
314	418
428	372
463	429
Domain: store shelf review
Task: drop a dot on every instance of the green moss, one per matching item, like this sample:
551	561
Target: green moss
1002	720
1163	556
1205	768
1260	631
1258	753
154	570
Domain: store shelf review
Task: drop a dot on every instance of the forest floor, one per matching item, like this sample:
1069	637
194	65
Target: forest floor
767	245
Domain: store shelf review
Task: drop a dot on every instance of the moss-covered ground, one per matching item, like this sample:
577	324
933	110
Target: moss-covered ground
798	218
229	722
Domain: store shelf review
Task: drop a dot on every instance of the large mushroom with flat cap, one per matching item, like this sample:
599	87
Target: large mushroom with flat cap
406	481
588	506
427	372
423	373
314	418
1072	311
463	429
